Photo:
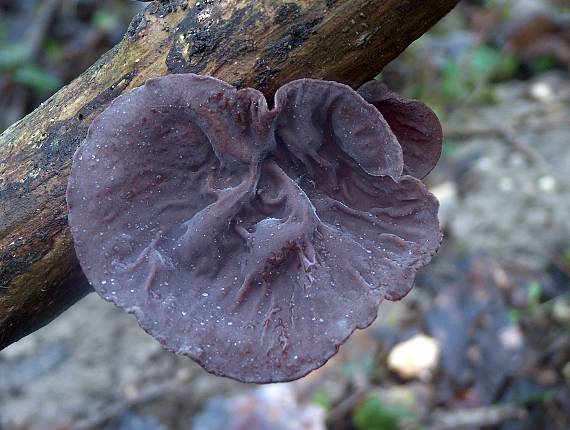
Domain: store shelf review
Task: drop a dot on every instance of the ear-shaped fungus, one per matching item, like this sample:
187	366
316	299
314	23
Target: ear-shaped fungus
254	241
415	125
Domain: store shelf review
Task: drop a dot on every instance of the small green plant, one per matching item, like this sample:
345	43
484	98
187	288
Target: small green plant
514	315
15	62
374	415
542	63
322	398
534	294
475	69
450	147
35	77
105	20
541	397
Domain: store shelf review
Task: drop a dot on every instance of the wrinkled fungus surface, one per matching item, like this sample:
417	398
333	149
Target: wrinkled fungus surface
255	240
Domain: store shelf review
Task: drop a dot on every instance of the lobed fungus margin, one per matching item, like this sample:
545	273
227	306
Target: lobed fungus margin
255	240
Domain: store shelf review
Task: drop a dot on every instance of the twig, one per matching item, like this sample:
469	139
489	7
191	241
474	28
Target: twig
508	134
40	27
478	129
346	405
476	417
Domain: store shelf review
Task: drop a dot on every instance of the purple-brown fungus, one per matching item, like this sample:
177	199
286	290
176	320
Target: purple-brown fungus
255	240
415	125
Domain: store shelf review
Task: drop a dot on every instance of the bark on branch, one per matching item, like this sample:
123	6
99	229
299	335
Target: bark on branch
257	43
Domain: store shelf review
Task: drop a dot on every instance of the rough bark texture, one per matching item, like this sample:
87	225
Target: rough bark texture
248	43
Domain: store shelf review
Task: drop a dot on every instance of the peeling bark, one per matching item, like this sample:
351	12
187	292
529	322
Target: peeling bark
247	43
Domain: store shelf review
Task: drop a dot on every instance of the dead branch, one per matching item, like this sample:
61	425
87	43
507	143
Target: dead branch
260	44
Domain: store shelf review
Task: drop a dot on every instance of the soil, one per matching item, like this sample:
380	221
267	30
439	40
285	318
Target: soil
511	203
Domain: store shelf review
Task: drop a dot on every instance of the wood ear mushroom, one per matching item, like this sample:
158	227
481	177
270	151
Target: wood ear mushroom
252	239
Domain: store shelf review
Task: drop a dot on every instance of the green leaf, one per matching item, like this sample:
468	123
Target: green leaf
534	294
53	50
484	61
104	20
13	55
36	78
507	68
373	415
542	64
449	148
453	84
514	315
537	398
322	398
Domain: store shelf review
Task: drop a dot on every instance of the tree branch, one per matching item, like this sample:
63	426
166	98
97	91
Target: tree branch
256	43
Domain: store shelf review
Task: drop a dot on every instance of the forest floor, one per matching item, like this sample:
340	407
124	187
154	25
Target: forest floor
493	308
496	299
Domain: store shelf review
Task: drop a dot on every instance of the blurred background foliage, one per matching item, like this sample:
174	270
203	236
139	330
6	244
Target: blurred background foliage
484	43
495	304
46	44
